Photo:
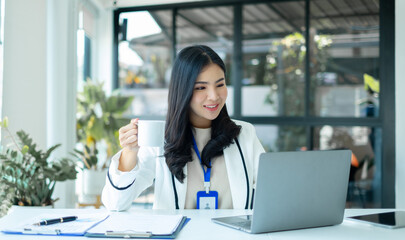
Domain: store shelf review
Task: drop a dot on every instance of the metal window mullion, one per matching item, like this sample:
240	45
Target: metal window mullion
387	101
115	50
174	34
237	59
314	121
307	113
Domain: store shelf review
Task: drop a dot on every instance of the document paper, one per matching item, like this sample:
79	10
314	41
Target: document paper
77	227
133	223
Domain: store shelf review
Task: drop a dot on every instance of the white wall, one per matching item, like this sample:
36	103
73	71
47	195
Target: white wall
61	66
24	79
40	76
399	101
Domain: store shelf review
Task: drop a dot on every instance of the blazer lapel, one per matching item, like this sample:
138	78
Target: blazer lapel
236	175
181	189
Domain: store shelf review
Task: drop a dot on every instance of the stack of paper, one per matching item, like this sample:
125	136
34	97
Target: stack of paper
74	228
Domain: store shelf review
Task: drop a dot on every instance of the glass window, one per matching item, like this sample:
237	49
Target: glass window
344	58
295	79
211	26
145	59
274	59
83	56
281	138
365	144
85	37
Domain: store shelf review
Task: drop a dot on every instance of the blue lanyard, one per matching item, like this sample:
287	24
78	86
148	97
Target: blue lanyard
207	174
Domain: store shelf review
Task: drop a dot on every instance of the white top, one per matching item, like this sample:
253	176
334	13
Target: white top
219	175
122	188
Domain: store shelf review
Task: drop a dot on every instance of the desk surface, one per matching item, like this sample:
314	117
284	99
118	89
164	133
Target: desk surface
201	227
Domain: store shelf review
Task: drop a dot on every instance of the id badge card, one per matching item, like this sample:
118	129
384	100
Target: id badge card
207	200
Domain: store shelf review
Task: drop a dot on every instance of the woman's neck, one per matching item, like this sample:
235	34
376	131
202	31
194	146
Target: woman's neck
201	124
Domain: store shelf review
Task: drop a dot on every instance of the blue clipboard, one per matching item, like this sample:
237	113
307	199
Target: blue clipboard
144	235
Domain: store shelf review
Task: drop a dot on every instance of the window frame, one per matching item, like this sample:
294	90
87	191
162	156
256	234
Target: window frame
385	120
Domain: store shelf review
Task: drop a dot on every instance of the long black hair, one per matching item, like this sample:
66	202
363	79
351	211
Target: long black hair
178	135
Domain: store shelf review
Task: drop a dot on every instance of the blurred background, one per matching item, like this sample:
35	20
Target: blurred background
309	74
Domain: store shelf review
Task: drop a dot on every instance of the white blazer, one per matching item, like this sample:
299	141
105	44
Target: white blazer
122	188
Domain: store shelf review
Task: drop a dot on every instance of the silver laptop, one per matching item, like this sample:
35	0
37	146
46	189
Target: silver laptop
297	190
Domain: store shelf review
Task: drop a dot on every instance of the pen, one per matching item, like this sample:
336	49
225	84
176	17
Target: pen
56	220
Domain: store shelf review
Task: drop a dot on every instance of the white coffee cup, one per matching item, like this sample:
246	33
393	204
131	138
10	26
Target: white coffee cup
151	133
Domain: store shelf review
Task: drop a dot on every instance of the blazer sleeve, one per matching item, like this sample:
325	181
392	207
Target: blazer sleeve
121	188
254	149
258	150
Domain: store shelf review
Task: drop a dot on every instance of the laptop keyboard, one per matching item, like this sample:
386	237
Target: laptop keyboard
243	224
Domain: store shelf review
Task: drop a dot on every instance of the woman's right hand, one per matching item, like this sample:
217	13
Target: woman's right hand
128	137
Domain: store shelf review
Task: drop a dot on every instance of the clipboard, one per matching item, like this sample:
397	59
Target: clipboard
134	233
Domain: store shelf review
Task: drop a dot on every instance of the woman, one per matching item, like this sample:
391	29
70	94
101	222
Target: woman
227	150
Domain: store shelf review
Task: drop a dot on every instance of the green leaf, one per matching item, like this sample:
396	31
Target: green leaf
28	173
79	152
25	149
5	122
50	150
87	149
93	161
97	129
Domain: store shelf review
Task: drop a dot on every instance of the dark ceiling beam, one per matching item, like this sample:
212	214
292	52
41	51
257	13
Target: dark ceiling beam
148	41
341	15
292	19
284	18
160	24
197	26
221	39
346	16
200	27
366	5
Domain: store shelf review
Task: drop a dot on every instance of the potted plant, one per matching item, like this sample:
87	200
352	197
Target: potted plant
92	178
28	175
98	119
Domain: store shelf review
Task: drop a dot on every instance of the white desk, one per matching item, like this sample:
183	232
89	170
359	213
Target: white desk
201	227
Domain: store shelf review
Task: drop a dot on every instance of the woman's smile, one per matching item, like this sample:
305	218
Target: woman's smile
212	107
